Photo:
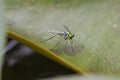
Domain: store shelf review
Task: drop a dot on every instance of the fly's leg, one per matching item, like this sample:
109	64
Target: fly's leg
50	38
55	46
71	47
65	46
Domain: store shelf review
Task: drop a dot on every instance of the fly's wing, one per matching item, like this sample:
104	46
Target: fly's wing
66	28
55	32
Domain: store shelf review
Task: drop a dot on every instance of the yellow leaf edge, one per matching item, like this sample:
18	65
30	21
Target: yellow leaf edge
44	51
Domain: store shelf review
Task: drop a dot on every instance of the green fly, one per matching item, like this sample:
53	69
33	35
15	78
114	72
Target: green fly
67	36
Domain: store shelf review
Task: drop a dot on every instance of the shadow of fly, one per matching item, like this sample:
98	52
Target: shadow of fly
65	44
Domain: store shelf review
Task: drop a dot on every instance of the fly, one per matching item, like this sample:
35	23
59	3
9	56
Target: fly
67	38
65	35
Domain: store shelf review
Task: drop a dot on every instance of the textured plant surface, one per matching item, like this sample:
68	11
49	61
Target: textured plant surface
95	24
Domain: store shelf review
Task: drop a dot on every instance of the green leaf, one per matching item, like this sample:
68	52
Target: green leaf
95	24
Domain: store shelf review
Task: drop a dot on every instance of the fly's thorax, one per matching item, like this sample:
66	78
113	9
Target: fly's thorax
68	36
